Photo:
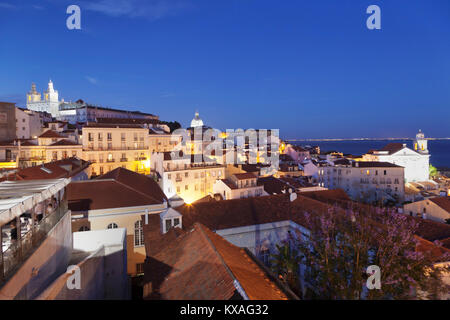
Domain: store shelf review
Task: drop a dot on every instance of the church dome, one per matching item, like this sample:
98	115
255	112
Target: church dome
196	122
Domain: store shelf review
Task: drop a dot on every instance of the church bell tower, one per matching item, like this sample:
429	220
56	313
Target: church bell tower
421	144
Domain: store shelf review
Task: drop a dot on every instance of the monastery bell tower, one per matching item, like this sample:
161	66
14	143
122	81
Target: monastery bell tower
421	144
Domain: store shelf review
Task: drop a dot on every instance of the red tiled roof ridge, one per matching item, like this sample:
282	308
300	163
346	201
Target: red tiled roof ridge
210	235
442	202
118	182
213	247
51	134
137	191
120	175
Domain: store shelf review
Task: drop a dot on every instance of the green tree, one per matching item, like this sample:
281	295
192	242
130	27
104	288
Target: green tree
433	171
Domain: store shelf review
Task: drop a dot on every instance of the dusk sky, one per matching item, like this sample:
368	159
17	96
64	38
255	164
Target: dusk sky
310	68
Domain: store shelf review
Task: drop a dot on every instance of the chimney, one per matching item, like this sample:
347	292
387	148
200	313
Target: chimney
292	197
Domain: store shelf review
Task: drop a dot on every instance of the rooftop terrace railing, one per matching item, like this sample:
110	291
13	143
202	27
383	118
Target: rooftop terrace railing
20	250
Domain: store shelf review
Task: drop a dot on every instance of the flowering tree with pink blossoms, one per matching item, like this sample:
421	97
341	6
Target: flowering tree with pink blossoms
344	243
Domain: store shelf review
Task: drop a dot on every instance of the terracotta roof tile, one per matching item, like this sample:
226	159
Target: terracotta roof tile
201	265
443	202
116	189
65	142
244	176
51	134
53	170
137	181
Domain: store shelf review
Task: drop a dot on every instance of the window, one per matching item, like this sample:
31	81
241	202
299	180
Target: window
186	174
138	234
90	136
264	256
100	136
168	224
109	136
122	136
84	228
186	187
139	268
112	226
176	222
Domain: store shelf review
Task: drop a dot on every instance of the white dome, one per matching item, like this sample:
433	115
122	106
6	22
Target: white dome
196	122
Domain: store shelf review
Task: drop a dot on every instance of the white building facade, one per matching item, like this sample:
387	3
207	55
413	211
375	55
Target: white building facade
365	181
416	162
49	103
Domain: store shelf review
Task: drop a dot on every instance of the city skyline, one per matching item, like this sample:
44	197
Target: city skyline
308	69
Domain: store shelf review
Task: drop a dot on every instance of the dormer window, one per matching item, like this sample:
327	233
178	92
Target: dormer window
170	219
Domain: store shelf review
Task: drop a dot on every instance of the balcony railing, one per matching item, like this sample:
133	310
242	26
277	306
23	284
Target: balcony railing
123	159
110	160
115	148
20	250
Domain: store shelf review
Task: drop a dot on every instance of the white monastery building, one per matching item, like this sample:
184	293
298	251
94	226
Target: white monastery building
416	162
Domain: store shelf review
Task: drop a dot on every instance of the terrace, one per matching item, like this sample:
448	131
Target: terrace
28	212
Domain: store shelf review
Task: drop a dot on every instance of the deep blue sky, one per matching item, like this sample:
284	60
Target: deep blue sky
310	68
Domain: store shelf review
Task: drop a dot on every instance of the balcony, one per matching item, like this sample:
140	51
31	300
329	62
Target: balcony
110	160
115	148
18	251
123	159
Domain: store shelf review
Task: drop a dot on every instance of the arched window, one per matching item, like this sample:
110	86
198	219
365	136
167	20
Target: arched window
84	228
112	226
138	234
